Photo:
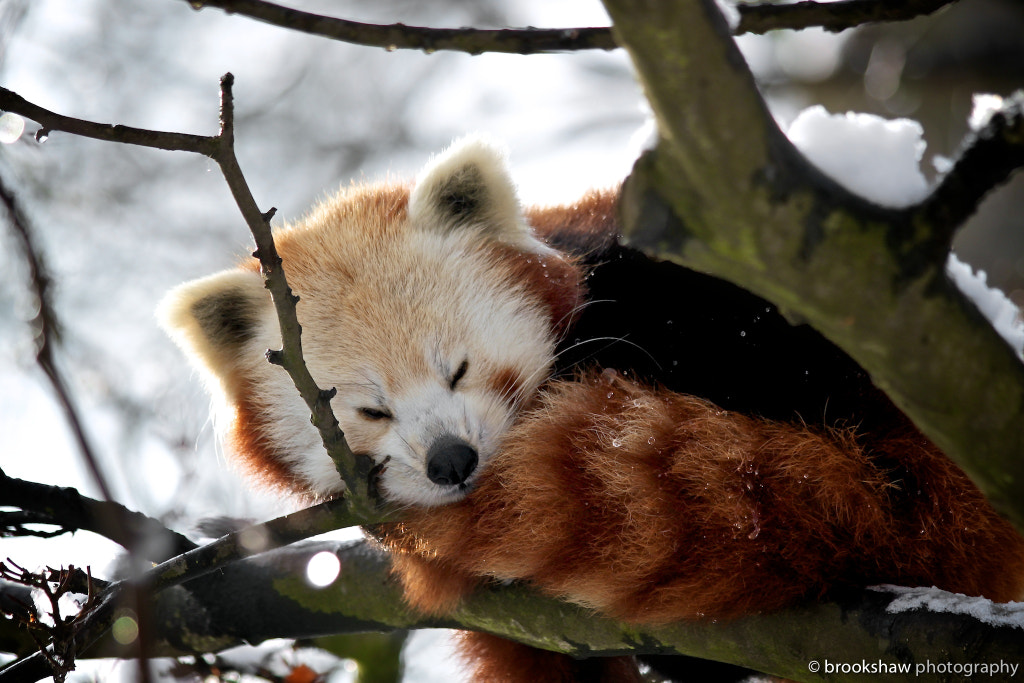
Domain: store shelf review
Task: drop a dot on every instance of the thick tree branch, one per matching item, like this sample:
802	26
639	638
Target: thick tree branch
220	612
726	193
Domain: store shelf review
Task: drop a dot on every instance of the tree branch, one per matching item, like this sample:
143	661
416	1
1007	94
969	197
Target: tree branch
986	159
359	505
354	470
44	327
400	36
865	625
726	193
50	121
70	510
189	566
759	18
831	16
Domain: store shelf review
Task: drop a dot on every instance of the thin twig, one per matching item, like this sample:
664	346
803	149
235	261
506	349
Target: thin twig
354	471
44	328
399	36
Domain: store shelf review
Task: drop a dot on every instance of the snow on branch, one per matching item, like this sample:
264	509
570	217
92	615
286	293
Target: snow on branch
750	18
992	150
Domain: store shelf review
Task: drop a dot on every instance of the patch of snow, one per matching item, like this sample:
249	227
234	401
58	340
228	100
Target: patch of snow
731	14
985	105
942	164
876	158
936	600
993	303
646	136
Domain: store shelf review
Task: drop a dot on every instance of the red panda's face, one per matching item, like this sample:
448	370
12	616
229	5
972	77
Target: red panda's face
433	313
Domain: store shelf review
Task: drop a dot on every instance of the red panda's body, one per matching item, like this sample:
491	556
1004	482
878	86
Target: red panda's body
554	408
653	507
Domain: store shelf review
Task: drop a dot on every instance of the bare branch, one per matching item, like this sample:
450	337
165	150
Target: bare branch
986	159
359	506
399	36
50	121
71	510
50	625
355	471
44	327
831	16
759	18
188	566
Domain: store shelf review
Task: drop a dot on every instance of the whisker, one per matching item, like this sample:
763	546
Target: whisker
580	305
611	341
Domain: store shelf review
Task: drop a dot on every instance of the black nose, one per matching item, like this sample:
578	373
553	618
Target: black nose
450	460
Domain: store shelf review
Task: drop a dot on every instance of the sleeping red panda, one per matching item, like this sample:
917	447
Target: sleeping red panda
556	408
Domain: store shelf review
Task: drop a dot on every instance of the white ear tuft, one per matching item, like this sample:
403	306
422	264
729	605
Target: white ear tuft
468	186
212	318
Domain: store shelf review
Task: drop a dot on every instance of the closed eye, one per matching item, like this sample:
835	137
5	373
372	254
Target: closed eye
459	374
375	413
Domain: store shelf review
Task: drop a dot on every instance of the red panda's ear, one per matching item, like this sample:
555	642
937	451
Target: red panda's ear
212	318
468	187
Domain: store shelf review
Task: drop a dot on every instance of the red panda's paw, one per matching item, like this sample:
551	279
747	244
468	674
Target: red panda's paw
491	659
430	586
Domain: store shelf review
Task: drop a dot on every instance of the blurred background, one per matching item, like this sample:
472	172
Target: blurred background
118	226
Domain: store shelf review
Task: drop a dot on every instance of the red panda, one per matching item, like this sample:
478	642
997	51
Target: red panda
553	407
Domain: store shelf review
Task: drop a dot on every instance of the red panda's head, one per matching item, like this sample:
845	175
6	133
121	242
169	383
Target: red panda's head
433	311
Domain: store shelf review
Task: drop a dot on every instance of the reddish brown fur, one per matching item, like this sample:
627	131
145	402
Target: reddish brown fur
654	507
594	214
248	441
507	383
554	281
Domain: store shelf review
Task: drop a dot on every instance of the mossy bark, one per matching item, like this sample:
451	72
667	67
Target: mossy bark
724	192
